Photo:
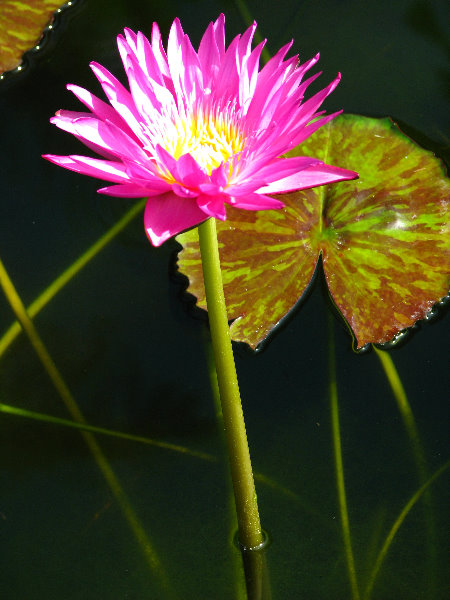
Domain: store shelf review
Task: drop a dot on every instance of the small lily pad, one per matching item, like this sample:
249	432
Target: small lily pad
21	27
384	238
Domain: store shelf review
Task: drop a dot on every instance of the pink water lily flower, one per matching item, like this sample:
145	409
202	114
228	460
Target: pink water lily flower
199	130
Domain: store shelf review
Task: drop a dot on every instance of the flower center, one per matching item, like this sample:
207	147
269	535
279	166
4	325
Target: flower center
211	138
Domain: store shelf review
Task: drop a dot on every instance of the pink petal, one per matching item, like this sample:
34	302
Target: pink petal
255	202
149	94
147	171
264	105
191	74
276	82
227	83
219	177
308	178
146	58
185	170
274	63
175	61
166	161
158	51
124	49
278	169
143	94
310	106
219	33
167	215
125	190
305	132
245	44
189	172
184	192
94	167
309	63
249	75
119	97
104	135
131	38
213	206
63	120
245	188
210	189
209	57
99	108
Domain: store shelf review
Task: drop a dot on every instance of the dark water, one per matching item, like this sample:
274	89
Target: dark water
135	358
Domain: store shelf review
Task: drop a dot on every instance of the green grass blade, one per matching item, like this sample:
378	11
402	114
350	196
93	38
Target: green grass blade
419	456
121	497
56	286
404	408
248	20
339	466
37	416
396	526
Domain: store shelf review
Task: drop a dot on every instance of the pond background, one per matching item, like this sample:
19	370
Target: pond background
134	354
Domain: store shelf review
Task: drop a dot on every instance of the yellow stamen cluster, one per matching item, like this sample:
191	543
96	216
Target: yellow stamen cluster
210	137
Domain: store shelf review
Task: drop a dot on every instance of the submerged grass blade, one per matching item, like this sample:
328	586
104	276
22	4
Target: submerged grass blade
149	552
50	292
339	466
396	526
404	408
248	20
419	456
37	416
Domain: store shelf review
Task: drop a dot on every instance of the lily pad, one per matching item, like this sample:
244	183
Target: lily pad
384	239
21	27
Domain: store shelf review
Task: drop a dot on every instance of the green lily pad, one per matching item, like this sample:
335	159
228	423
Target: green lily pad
384	239
21	27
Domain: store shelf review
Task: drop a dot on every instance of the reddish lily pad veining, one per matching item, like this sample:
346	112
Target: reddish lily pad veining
21	25
384	239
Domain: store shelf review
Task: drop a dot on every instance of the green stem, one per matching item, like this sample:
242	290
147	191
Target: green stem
250	535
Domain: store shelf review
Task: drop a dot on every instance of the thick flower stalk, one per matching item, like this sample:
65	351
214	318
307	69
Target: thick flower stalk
199	130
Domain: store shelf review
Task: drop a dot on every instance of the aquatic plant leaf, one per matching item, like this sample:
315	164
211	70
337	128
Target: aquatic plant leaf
266	261
21	27
384	238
